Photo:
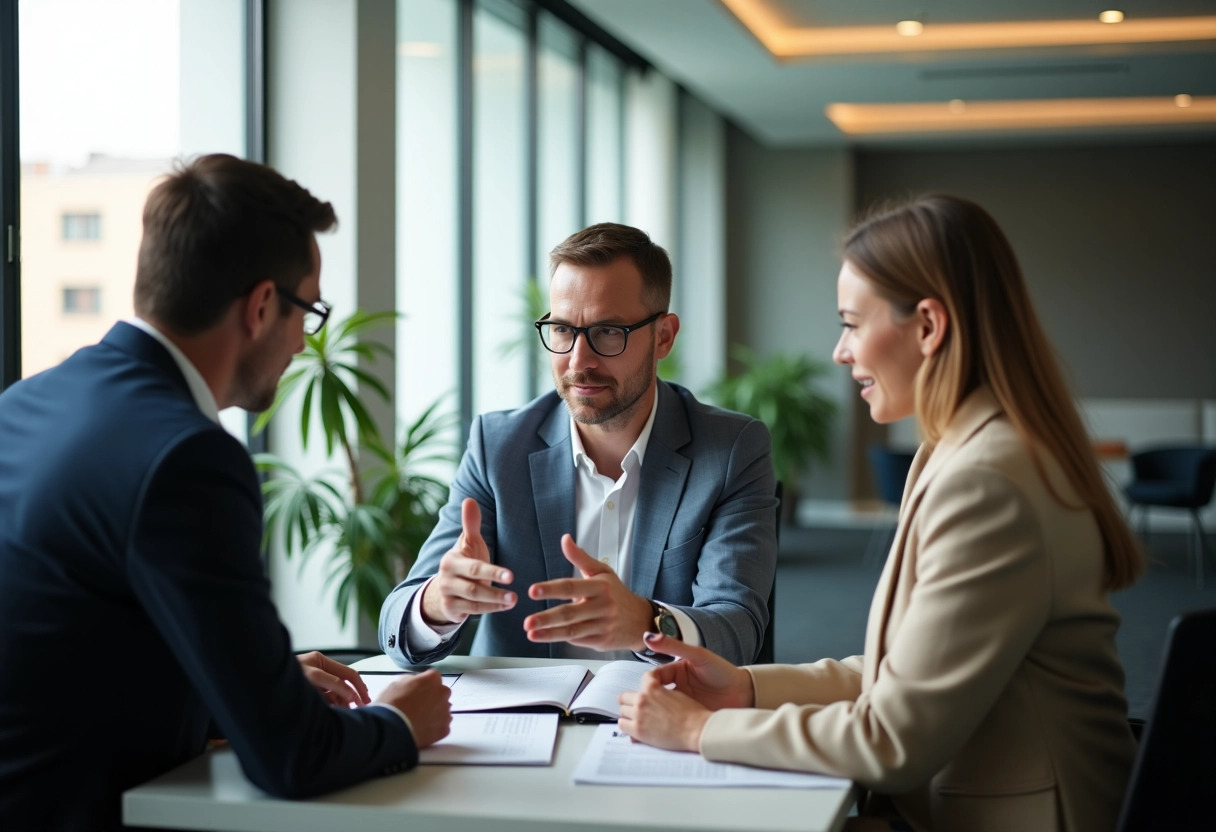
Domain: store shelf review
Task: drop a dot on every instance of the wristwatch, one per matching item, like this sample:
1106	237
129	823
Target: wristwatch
664	621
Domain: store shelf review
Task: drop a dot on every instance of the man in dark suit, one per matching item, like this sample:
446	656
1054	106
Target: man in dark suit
670	500
134	611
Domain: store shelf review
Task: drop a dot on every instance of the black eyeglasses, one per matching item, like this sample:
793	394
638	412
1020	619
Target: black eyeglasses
605	339
315	314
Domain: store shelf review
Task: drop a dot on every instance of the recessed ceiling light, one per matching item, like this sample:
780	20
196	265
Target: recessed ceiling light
1183	100
957	105
1111	16
909	28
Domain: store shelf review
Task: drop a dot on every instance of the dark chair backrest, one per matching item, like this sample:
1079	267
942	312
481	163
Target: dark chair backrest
1193	465
890	470
1176	763
767	645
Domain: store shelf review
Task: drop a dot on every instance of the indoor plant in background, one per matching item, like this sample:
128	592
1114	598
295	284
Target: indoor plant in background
375	516
780	391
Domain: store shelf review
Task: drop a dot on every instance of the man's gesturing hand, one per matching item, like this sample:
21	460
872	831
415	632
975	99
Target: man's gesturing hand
463	586
604	614
425	701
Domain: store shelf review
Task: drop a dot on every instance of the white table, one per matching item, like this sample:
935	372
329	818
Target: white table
210	792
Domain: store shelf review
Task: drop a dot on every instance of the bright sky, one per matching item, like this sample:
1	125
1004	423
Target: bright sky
98	76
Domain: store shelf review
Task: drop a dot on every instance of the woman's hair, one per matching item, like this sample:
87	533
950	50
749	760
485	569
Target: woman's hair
949	249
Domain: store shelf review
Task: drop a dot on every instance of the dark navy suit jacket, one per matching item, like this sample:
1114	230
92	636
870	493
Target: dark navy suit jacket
133	606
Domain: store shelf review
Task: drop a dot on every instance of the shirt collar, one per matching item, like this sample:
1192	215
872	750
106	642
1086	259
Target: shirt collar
203	397
637	450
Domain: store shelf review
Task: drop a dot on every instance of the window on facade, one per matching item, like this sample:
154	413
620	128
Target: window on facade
82	300
82	226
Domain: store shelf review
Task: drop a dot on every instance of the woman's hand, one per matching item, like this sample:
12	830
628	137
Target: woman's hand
339	684
703	682
705	676
661	717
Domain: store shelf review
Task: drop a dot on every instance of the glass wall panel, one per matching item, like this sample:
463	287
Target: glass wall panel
500	259
558	188
110	94
557	169
428	336
604	136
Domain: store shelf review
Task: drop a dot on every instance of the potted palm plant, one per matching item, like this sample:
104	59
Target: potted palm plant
374	517
780	391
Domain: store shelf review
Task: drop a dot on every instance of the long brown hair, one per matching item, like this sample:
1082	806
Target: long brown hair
951	250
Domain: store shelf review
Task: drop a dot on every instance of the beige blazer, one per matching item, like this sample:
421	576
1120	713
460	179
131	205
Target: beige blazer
990	695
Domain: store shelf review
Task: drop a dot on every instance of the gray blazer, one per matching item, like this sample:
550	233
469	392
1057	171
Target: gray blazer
704	531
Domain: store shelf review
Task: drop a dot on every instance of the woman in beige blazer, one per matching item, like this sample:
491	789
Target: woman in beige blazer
990	695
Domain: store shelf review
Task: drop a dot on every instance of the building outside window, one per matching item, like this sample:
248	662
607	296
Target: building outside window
82	226
82	300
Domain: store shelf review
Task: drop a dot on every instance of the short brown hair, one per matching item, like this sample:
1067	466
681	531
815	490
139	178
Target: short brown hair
603	243
215	228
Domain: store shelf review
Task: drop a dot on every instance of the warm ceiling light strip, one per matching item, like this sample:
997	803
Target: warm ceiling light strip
974	116
790	42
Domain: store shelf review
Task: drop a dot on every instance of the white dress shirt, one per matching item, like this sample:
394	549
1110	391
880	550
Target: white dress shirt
604	520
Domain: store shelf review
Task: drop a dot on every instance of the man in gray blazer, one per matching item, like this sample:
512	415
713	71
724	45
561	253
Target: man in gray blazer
671	501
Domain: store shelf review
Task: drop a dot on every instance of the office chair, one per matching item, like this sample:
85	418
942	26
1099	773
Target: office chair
1174	765
890	469
767	645
1175	477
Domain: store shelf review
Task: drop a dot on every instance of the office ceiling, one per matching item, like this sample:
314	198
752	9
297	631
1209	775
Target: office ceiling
703	46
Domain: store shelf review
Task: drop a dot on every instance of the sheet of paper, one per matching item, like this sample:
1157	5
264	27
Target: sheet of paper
377	682
495	739
485	690
611	680
612	759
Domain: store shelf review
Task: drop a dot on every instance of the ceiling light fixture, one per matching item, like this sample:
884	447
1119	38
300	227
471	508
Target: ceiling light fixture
786	41
1020	115
909	28
1111	16
1183	100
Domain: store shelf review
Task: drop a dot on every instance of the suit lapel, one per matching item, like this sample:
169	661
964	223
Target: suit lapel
977	409
664	472
553	487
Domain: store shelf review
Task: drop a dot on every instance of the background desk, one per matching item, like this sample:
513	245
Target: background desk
210	792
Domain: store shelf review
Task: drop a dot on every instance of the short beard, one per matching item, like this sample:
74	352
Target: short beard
252	392
624	402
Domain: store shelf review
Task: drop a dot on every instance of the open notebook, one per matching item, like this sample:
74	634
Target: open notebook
570	688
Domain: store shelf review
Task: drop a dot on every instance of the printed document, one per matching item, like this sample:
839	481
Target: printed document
495	739
613	759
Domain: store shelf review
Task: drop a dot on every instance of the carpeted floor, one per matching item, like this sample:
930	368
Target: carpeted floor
824	591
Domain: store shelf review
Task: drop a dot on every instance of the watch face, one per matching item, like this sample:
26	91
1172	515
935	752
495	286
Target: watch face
668	625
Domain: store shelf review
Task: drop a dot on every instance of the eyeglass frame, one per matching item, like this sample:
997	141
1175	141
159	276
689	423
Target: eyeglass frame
582	330
320	308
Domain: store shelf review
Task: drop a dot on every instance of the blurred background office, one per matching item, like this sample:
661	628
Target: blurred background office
460	139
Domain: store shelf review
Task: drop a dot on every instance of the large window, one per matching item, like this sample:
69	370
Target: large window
605	125
500	190
110	94
428	338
